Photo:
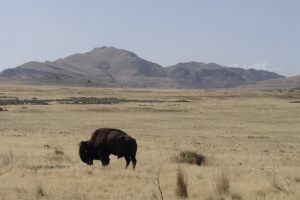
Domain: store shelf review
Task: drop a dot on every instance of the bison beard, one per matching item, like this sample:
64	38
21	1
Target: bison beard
106	141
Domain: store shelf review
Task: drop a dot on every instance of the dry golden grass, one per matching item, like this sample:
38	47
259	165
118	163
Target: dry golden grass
254	135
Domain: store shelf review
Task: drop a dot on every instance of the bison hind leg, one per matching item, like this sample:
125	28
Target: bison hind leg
127	158
133	162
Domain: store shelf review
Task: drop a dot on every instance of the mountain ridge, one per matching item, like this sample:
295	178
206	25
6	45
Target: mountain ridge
125	68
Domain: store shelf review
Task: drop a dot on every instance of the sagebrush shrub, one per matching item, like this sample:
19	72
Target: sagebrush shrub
192	157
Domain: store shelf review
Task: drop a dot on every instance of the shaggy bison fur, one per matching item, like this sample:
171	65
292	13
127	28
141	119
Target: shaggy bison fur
106	141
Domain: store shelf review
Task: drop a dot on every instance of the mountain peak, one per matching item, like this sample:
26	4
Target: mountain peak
96	48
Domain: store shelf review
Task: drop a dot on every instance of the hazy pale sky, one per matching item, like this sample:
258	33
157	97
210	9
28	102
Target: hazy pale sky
262	34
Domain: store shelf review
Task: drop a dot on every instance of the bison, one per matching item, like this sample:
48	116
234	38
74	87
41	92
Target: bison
106	141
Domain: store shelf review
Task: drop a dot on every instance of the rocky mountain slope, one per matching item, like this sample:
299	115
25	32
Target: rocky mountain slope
123	68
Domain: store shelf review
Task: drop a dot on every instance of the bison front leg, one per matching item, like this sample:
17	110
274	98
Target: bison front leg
105	160
104	157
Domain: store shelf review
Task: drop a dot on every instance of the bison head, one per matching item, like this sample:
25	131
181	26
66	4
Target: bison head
85	153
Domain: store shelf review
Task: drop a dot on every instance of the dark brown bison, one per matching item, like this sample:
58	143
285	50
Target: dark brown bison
106	141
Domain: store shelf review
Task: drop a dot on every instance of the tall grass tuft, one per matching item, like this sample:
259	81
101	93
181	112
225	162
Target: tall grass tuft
6	159
222	182
181	185
260	195
281	185
40	191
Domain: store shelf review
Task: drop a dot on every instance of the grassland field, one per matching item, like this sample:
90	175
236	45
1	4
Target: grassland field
251	137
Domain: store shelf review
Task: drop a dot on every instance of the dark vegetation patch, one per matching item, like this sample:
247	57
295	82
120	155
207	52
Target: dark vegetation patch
17	101
89	100
295	101
74	100
182	101
190	157
105	100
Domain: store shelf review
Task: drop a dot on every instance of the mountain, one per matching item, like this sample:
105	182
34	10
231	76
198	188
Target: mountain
112	67
253	75
280	83
201	75
107	64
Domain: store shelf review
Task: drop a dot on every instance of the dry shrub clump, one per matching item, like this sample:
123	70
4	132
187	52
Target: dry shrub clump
58	151
191	158
2	109
181	185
